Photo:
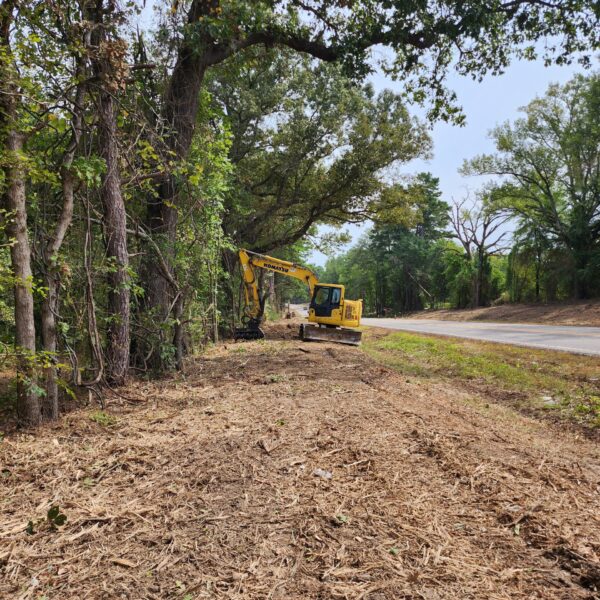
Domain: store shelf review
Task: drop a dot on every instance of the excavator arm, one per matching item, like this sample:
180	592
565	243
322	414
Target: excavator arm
254	309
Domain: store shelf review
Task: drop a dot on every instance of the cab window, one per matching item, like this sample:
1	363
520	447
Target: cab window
335	296
321	296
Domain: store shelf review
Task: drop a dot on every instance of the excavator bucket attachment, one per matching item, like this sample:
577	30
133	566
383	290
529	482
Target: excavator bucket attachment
251	332
310	333
243	333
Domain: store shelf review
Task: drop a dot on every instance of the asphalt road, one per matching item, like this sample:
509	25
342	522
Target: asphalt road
580	340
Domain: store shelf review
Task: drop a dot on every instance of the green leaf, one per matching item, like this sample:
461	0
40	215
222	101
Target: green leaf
60	519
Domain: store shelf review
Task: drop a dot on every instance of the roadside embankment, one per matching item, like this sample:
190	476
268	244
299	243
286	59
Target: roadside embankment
585	312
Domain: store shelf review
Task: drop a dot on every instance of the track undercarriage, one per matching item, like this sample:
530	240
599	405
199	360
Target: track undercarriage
308	333
339	335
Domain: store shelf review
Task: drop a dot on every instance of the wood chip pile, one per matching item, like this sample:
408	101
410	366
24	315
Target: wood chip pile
280	470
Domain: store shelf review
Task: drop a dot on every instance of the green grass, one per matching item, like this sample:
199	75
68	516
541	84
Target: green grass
103	419
556	383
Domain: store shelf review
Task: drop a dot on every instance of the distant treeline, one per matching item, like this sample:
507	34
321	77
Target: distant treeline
533	237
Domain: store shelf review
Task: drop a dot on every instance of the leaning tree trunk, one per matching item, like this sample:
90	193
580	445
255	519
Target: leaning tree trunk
50	304
28	404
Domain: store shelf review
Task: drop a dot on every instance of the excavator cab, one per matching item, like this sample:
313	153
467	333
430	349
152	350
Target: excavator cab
333	314
326	299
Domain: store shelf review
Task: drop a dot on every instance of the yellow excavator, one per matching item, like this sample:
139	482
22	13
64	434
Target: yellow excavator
330	314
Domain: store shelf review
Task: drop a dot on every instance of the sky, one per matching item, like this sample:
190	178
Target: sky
486	104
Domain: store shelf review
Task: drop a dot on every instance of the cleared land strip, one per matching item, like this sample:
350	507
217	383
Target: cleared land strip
581	340
207	489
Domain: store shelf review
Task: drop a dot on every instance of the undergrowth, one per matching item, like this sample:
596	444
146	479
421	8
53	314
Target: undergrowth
103	419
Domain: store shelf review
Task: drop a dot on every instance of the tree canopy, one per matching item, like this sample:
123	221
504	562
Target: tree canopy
550	162
426	39
308	147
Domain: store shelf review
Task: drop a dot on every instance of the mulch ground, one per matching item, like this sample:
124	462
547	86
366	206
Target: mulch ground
286	470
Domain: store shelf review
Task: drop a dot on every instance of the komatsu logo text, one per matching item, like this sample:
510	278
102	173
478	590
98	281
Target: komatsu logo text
276	268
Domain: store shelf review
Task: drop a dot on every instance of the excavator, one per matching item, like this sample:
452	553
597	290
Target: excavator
330	313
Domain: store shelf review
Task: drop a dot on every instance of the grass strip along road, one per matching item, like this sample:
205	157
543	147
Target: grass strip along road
581	340
541	383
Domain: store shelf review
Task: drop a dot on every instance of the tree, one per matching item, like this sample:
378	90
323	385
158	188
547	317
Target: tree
528	264
550	160
110	68
392	266
50	111
405	244
308	147
14	203
53	150
478	228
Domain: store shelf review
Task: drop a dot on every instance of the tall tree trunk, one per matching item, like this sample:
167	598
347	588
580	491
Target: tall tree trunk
181	108
115	231
180	112
50	304
15	202
181	104
28	403
109	62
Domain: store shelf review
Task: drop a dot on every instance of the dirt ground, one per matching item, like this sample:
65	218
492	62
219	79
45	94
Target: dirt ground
286	470
576	313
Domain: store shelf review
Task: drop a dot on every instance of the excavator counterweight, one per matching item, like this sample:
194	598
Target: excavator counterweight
331	316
